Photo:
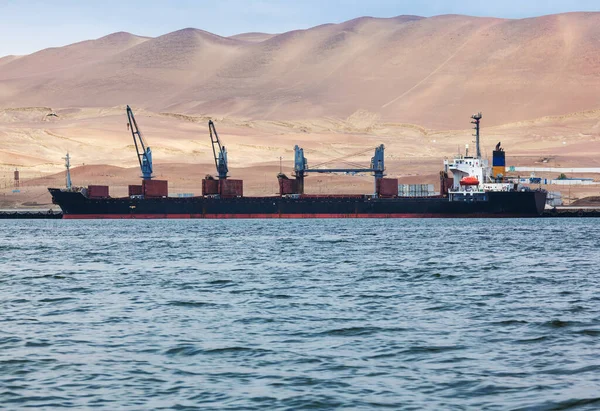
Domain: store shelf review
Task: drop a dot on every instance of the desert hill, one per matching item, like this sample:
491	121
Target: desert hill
57	59
409	69
253	37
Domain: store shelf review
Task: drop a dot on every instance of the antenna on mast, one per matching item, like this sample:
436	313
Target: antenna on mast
476	119
68	167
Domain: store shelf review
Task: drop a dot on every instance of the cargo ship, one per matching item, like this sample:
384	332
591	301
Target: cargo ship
474	190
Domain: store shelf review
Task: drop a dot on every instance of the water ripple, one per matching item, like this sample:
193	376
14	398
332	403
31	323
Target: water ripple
289	315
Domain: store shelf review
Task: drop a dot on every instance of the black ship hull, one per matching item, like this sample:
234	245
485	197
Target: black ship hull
497	204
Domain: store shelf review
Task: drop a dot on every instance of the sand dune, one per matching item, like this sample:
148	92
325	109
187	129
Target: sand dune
253	37
425	71
58	59
7	59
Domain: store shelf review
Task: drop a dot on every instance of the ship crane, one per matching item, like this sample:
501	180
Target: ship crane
301	168
219	152
144	152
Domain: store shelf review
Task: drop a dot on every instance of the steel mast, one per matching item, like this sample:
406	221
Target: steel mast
68	167
476	120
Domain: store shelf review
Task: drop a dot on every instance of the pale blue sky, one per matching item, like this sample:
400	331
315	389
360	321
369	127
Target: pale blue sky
30	25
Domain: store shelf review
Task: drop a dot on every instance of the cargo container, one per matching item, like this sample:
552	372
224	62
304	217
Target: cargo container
417	190
136	190
387	187
554	199
210	187
97	191
287	186
449	183
231	188
155	188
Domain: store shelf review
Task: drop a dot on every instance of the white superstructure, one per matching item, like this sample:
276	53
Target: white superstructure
465	168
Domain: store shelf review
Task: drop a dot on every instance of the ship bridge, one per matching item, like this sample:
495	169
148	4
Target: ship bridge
465	166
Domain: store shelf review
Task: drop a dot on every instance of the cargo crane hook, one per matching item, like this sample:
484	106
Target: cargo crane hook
144	152
219	152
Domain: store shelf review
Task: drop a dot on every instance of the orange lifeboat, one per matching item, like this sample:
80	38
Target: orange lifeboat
469	181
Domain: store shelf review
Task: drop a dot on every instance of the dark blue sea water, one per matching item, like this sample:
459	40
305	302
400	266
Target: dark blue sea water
300	314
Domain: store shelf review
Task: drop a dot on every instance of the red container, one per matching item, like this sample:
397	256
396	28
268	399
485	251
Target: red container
210	187
98	191
135	190
231	188
387	187
155	188
287	186
446	183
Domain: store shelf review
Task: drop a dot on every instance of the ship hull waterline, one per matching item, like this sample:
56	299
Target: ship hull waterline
498	205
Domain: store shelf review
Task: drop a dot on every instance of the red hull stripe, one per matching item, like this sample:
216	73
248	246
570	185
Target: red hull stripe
265	216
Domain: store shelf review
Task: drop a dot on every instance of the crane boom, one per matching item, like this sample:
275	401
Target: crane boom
144	152
219	152
377	167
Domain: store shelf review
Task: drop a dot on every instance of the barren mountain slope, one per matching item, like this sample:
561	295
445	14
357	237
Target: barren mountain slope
57	59
252	37
425	71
